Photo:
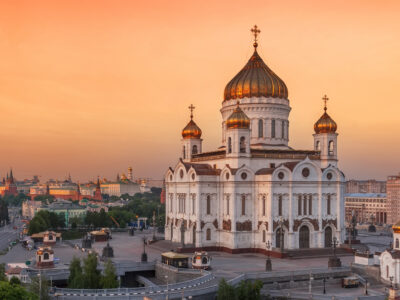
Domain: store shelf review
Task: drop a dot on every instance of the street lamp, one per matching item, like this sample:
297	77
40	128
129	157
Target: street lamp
366	286
391	281
324	280
144	254
268	264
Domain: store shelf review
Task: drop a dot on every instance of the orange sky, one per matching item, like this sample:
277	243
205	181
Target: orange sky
92	87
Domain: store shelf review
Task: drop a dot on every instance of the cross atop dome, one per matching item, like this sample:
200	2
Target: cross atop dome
255	32
191	108
325	99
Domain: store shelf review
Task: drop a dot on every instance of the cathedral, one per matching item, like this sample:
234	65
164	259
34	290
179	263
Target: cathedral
255	189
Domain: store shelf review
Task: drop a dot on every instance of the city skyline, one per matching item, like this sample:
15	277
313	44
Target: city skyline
91	91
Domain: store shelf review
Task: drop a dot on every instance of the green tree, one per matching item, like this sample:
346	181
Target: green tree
40	287
225	291
3	276
91	275
248	290
75	280
15	292
109	279
15	280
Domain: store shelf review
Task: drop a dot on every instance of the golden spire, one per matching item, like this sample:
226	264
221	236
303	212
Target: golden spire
325	99
255	32
191	108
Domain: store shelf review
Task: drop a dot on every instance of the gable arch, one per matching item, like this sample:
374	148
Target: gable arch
314	171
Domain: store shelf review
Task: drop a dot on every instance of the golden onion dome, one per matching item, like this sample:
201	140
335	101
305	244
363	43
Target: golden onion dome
238	119
325	124
191	130
256	79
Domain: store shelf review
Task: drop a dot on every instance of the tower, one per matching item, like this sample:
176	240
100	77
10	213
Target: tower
191	138
97	193
238	134
130	175
325	138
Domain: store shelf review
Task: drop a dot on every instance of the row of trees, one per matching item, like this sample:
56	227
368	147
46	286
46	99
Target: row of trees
89	277
15	200
246	290
44	220
4	219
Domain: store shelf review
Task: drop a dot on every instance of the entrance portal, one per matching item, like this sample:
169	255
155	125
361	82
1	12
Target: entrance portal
328	237
304	239
278	236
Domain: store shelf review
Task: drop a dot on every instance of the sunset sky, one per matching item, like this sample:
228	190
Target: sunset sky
92	87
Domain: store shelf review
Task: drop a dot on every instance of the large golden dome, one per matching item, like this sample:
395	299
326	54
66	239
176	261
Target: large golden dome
238	119
255	80
325	124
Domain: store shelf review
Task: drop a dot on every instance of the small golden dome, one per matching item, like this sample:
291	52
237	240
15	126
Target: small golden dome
238	119
325	124
191	131
255	80
396	227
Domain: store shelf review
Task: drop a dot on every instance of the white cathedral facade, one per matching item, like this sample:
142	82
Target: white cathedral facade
255	188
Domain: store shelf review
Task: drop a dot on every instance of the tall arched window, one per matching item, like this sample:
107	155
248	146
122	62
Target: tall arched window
243	205
387	271
260	128
310	205
208	205
283	129
397	244
194	149
184	152
229	145
227	204
272	128
263	236
242	145
208	234
330	148
305	205
280	205
299	205
263	206
328	204
317	146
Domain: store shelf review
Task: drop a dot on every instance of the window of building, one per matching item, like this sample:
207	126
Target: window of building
194	149
397	243
46	256
304	204
260	128
171	198
227	204
283	129
299	205
242	145
208	205
193	203
263	236
310	205
263	205
208	234
328	204
243	205
280	205
330	148
272	128
317	146
184	152
229	145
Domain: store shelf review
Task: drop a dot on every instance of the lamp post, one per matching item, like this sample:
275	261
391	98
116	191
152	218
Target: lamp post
366	286
324	280
281	233
334	244
391	281
166	277
144	254
268	264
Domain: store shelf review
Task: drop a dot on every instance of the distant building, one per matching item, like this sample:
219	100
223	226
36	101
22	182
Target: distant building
30	208
118	188
393	198
66	208
365	186
366	206
8	186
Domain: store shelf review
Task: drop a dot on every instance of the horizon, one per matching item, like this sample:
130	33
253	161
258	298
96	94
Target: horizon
93	89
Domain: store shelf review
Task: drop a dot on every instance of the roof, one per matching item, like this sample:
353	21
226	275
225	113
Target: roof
265	171
202	169
290	165
41	234
14	271
366	195
174	255
63	205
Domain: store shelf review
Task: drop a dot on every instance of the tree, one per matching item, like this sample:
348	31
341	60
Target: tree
3	276
15	280
75	280
109	279
40	286
225	291
15	292
91	274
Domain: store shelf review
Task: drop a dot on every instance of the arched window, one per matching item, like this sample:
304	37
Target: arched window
273	128
263	206
243	205
310	205
242	145
328	204
330	148
46	256
227	204
208	205
299	205
208	234
387	271
194	149
280	205
397	243
317	146
184	152
260	128
283	129
263	236
229	145
305	205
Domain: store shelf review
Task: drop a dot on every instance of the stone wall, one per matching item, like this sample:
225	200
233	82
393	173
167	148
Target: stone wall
175	274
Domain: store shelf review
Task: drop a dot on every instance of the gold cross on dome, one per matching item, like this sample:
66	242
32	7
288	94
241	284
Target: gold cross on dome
191	108
255	32
325	99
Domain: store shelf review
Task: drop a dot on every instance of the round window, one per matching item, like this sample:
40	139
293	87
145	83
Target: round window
181	173
281	175
305	172
329	176
227	176
193	176
244	175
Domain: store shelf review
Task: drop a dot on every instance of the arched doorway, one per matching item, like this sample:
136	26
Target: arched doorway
304	239
278	236
194	236
328	237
